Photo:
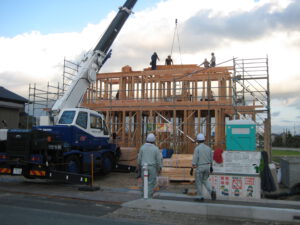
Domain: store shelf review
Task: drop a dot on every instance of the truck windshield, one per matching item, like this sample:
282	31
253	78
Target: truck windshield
67	117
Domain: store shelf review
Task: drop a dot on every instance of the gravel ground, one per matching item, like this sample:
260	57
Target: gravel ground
159	217
130	181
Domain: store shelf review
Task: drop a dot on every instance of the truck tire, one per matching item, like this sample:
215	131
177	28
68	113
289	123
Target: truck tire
72	164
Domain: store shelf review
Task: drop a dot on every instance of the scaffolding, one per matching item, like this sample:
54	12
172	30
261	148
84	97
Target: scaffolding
252	86
42	98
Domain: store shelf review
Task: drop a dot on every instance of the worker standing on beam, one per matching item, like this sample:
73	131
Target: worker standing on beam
149	154
213	60
202	161
205	63
154	58
169	61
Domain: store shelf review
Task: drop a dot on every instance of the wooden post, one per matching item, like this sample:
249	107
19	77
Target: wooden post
185	130
124	127
174	132
217	127
267	136
159	91
199	122
203	90
191	130
208	127
129	130
139	126
230	90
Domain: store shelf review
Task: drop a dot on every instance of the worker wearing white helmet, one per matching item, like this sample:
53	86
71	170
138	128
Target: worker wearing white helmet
150	154
202	161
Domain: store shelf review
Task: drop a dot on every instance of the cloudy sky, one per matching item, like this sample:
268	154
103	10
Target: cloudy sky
36	36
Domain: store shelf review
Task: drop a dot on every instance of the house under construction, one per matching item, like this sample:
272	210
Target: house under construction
176	102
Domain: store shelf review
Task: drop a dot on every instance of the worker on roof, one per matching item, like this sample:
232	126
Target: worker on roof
213	60
154	58
149	154
169	61
205	63
202	162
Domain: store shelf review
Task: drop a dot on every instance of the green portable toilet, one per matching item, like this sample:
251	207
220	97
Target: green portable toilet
241	135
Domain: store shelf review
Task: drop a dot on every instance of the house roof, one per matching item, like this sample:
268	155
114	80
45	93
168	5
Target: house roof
10	96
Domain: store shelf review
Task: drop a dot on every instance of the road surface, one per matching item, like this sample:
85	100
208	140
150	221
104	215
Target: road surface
16	209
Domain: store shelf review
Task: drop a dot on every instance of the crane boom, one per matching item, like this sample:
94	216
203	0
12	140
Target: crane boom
93	61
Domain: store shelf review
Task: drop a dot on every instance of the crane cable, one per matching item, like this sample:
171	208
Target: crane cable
176	34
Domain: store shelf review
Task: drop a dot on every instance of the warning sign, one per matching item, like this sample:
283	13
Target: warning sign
230	186
224	185
237	183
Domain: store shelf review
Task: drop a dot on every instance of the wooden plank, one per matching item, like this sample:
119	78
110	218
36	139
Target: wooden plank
177	174
179	160
128	162
128	153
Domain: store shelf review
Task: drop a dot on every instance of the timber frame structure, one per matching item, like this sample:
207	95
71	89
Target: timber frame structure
176	102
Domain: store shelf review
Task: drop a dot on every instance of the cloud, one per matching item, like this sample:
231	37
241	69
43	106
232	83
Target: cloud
288	121
275	114
37	58
229	28
208	31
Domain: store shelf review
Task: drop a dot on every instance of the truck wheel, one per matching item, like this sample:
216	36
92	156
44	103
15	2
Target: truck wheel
72	164
107	164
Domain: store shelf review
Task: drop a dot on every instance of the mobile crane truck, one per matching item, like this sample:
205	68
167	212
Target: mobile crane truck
77	141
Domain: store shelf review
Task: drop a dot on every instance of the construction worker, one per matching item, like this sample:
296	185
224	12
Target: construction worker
202	161
149	154
169	61
205	63
154	58
213	60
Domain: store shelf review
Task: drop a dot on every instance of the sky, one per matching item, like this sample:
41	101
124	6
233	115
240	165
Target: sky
36	36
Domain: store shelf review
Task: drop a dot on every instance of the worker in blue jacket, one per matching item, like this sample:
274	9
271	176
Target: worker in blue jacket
202	161
149	154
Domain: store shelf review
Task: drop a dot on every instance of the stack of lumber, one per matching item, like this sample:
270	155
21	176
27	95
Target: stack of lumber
177	168
128	156
179	160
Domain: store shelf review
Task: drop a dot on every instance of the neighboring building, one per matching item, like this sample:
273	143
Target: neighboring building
11	106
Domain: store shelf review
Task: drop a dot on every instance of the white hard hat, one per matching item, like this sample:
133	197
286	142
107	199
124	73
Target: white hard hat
200	137
150	138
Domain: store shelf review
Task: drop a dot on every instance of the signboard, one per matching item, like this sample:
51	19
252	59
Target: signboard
234	186
239	162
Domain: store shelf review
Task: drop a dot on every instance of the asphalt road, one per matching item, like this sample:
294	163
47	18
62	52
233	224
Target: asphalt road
25	202
16	209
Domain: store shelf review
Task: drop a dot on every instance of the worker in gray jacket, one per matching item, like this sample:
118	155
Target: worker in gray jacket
149	154
202	161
